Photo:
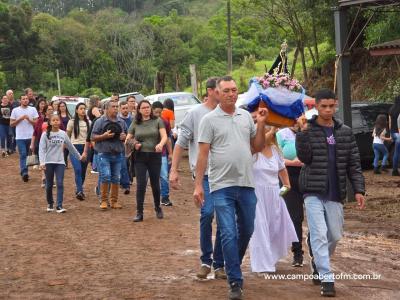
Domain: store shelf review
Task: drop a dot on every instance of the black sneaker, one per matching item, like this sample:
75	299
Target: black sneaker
60	210
80	196
395	172
50	208
25	178
297	260
235	291
127	191
138	218
328	289
165	201
159	213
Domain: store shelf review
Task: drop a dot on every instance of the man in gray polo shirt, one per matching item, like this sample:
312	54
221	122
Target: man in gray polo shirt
188	138
227	139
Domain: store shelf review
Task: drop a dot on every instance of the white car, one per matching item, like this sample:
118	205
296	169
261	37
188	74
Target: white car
183	102
71	102
122	97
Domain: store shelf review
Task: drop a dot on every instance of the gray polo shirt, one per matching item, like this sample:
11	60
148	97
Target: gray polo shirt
113	145
230	159
189	132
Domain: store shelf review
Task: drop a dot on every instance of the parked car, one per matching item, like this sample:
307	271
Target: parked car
363	120
122	97
182	101
71	102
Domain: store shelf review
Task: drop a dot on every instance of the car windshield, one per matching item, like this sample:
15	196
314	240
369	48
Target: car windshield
180	99
71	108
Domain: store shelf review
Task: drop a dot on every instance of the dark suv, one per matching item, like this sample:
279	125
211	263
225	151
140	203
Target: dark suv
363	120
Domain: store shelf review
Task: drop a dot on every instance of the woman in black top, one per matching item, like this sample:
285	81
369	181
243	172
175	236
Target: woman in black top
93	110
65	117
394	113
5	113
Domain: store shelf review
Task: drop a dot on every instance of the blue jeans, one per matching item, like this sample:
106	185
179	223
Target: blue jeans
378	150
80	168
235	208
164	177
396	140
109	166
58	170
95	164
11	142
124	180
325	222
23	150
206	219
4	129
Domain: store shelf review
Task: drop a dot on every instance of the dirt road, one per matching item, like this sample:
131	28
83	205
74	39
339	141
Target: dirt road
90	254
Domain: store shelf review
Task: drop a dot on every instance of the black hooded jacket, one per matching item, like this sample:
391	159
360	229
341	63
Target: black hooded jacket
312	150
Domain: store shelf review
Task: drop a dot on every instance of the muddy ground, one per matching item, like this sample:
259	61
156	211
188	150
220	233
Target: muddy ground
90	254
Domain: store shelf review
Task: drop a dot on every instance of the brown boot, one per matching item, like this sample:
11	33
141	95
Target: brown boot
104	195
114	196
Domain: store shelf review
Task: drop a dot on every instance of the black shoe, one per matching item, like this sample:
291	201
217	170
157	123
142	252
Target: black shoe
80	196
395	172
377	171
138	218
165	201
25	178
127	191
328	289
235	291
50	208
159	213
297	260
384	168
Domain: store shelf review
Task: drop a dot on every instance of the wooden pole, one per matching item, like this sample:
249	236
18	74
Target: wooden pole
193	79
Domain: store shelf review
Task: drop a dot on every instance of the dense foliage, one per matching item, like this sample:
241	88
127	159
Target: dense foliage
120	45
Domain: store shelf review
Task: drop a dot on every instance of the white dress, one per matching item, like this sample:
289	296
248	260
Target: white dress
273	229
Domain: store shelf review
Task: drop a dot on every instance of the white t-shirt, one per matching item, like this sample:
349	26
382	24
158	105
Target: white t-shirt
24	129
378	139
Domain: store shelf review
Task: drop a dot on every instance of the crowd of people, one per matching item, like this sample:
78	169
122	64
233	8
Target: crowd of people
254	178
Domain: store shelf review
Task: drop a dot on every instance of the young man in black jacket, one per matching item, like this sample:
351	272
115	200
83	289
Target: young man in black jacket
330	155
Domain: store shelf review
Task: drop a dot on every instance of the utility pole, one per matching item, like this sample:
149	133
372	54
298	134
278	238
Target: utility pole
58	82
229	37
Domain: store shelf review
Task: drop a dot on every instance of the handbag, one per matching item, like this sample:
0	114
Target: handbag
32	159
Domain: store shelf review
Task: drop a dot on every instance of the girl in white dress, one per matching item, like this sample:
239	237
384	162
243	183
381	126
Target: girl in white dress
273	229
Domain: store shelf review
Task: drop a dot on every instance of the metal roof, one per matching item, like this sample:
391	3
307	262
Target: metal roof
344	3
386	45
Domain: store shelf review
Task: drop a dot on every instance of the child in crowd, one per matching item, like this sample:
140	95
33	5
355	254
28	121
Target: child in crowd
51	156
273	229
379	135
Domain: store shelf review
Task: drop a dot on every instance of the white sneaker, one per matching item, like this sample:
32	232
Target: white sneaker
60	210
50	208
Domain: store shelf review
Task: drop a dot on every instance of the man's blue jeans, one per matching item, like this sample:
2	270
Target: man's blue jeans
58	170
380	149
206	219
80	168
325	222
235	208
124	180
23	150
109	167
164	181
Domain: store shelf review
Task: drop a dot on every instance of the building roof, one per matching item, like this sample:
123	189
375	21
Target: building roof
344	3
387	48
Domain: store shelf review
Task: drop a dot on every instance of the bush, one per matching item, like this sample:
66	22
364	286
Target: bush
249	62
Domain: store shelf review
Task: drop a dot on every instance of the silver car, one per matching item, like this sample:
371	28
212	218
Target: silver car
182	102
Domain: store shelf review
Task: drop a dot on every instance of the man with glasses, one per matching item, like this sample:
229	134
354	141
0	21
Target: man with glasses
227	139
11	143
109	133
